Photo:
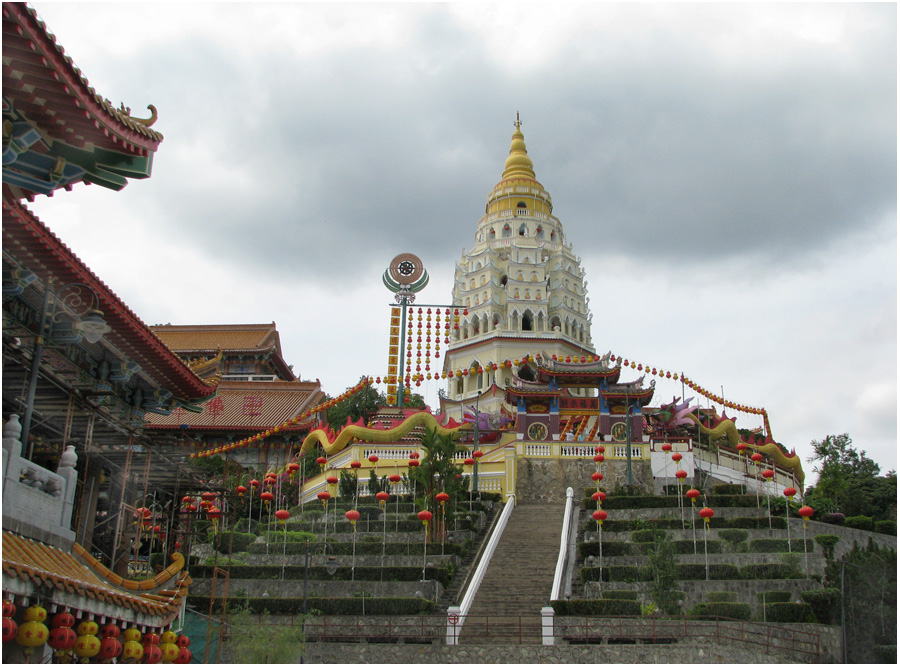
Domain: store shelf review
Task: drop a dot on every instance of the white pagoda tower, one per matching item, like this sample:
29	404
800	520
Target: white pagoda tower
522	288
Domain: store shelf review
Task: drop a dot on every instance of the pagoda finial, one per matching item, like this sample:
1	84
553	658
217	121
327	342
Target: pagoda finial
518	164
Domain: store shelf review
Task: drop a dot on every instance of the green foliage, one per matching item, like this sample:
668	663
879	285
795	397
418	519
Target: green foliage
246	525
737	610
645	535
619	595
849	481
886	527
596	607
377	485
870	599
824	603
252	641
721	596
664	572
729	490
438	473
860	522
777	545
361	405
769	597
734	536
234	542
443	574
371	547
789	612
827	542
633	502
347	487
375	606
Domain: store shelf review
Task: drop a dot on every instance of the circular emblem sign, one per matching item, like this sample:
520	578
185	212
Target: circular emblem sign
406	268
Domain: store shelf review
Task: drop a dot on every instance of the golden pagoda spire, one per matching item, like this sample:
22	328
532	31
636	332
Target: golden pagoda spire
518	164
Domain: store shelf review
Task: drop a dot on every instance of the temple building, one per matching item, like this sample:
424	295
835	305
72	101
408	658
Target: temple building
257	390
80	371
521	290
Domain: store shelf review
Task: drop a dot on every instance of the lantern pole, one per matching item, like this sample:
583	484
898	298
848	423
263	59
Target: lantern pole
383	538
787	519
284	552
628	478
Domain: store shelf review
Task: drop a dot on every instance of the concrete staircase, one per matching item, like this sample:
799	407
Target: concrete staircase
507	608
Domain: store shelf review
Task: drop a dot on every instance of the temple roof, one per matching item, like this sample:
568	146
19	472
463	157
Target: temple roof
246	406
81	575
61	130
37	249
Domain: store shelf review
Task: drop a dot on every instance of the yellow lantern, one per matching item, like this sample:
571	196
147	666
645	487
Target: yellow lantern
31	635
169	650
87	646
35	613
132	651
131	635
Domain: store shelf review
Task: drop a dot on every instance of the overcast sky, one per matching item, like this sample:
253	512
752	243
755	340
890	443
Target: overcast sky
726	172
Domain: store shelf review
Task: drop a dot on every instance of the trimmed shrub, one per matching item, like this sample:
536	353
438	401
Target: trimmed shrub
442	575
619	595
638	502
769	597
331	606
643	536
835	518
769	545
827	542
697	571
729	489
733	501
886	527
789	612
824	604
860	522
734	536
363	548
235	542
737	610
721	596
769	571
597	607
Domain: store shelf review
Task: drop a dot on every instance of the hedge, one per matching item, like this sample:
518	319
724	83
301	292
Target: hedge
860	522
789	612
737	610
717	522
363	548
886	527
721	596
827	542
619	595
235	542
835	518
823	603
779	545
769	571
734	535
596	607
374	606
443	575
770	597
729	489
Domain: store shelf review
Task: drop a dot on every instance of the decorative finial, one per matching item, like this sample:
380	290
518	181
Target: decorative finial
518	122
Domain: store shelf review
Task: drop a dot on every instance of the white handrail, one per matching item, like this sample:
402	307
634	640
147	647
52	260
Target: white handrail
456	615
563	546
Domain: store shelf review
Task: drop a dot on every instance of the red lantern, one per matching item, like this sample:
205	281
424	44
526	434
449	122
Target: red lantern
240	491
110	631
741	447
9	610
599	496
331	479
186	500
600	516
356	465
10	629
254	484
63	620
677	457
293	468
790	492
373	458
61	638
321	460
666	447
183	641
395	479
413	463
600	449
707	514
382	497
425	516
806	512
110	647
769	474
267	497
282	516
478	454
324	496
756	457
693	494
597	477
352	517
599	458
184	656
208	496
152	654
414	455
469	461
442	498
681	474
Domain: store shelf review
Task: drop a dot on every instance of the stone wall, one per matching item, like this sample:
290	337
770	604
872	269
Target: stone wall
546	480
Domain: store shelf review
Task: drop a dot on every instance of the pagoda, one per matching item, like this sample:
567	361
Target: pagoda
520	289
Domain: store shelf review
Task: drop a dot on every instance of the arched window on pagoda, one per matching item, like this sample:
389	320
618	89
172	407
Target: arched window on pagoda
539	232
507	232
503	281
526	372
493	234
528	294
496	322
527	321
460	387
523	229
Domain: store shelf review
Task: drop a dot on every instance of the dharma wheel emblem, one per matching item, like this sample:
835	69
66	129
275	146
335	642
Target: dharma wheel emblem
405	276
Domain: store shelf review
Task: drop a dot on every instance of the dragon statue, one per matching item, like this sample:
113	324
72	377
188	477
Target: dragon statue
679	414
333	442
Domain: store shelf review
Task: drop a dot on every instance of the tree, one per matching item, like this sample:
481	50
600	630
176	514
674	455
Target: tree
435	474
849	481
361	405
258	640
663	562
